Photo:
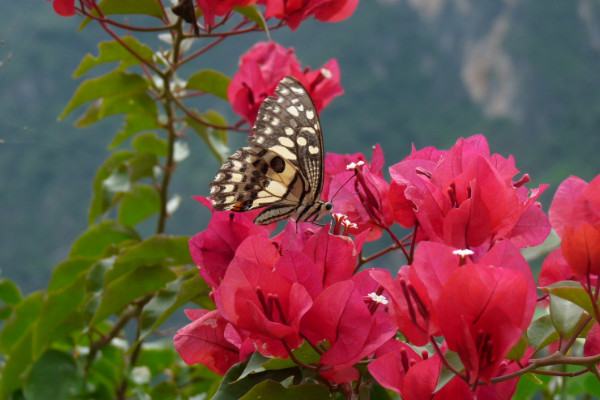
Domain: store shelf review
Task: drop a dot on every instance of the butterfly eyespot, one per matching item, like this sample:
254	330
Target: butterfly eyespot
278	164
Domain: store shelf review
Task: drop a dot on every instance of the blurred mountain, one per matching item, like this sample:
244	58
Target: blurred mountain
523	72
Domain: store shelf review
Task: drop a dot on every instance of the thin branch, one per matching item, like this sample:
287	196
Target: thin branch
202	121
364	260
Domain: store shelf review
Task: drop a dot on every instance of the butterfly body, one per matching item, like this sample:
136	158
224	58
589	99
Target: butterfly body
282	166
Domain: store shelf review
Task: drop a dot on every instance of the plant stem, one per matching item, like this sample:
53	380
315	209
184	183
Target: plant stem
168	105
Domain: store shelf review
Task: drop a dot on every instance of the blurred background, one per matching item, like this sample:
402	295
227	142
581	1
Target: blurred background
523	72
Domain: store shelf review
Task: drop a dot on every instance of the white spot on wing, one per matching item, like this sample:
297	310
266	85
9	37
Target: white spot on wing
287	142
301	141
310	114
313	150
293	110
289	131
284	152
237	177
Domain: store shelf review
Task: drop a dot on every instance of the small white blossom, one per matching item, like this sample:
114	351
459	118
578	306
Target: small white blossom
463	252
347	224
353	165
340	216
378	298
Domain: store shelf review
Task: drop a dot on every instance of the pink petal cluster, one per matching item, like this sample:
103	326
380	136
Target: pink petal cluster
273	293
264	65
467	198
294	12
212	8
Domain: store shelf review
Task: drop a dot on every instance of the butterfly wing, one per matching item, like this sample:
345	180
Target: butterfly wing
282	166
289	125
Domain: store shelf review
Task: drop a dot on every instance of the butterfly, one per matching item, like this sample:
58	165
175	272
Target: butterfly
282	166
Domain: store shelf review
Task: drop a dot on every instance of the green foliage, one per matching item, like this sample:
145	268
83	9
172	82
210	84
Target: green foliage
73	340
209	81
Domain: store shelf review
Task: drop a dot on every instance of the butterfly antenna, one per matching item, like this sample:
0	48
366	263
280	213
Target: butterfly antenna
340	188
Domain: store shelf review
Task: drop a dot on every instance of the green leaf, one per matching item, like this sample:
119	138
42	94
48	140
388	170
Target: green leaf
135	123
17	361
120	292
157	356
116	82
159	250
142	165
112	51
93	241
55	375
572	291
169	300
269	389
305	354
164	391
150	143
518	350
9	292
122	103
232	387
215	139
210	81
20	321
138	204
101	197
65	272
584	384
542	332
254	365
446	374
106	373
58	316
253	12
140	7
528	385
565	315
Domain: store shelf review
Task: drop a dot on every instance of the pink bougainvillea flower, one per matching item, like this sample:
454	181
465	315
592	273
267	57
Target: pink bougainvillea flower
363	193
415	287
399	368
467	199
575	202
341	317
581	249
555	269
261	69
314	257
483	311
294	12
255	298
592	342
213	248
212	8
575	216
406	175
205	341
64	8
